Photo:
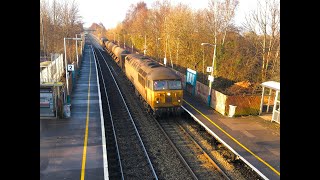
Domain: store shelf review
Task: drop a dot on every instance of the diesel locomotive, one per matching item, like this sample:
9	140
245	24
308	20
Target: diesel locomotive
159	87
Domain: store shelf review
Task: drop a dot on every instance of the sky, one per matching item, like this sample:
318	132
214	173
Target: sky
112	12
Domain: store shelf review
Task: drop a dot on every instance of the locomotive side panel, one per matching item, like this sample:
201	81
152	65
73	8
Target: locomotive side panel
131	70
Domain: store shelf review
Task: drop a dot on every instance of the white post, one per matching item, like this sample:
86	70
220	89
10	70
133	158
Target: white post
66	67
60	65
203	76
44	49
119	40
157	40
213	69
145	45
124	41
41	78
48	76
165	52
270	92
81	45
262	97
77	50
214	55
274	106
213	60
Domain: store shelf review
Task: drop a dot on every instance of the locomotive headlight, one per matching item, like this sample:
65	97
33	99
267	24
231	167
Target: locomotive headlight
157	102
168	94
178	100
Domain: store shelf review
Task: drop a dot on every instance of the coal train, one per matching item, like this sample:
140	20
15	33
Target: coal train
159	87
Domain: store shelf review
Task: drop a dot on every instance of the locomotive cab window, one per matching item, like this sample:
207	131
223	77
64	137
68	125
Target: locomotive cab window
175	84
160	85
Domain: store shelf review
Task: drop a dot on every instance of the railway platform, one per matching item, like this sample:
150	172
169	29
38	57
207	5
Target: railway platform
73	148
253	139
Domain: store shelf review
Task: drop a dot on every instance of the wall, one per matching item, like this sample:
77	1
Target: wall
54	71
246	104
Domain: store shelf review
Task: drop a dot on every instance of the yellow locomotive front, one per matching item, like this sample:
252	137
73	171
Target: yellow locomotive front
167	96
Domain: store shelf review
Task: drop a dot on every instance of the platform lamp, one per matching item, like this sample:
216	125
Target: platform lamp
211	78
158	41
66	65
77	47
124	41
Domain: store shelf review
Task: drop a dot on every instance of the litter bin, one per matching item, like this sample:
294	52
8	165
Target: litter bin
66	110
232	110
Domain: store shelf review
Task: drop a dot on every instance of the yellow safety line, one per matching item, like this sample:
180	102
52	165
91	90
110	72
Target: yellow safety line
84	155
277	172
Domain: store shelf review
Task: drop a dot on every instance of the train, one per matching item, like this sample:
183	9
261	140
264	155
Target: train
102	41
159	87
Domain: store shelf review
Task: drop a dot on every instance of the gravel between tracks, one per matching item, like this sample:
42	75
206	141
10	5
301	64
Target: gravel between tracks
235	170
165	161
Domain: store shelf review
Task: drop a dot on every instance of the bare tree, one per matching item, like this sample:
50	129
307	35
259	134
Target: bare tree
220	15
228	9
265	22
59	20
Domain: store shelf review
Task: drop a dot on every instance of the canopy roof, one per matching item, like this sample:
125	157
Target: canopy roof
45	63
272	84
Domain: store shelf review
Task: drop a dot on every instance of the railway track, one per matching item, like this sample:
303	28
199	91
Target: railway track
127	156
196	160
163	155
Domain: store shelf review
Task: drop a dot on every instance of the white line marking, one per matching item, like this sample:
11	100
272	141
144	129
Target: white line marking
104	149
219	139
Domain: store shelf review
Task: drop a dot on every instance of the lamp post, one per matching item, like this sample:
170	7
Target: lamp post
119	40
82	39
124	41
158	40
131	45
66	65
165	52
213	67
203	74
44	49
145	45
77	48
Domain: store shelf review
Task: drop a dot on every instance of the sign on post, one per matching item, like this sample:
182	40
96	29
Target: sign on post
209	69
70	67
210	78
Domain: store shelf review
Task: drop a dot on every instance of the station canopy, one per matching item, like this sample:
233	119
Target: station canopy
272	85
